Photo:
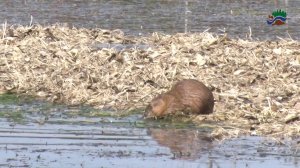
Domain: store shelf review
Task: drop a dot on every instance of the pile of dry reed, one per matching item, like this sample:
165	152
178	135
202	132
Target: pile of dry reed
256	83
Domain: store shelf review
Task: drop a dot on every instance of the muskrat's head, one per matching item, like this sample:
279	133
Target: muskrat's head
157	107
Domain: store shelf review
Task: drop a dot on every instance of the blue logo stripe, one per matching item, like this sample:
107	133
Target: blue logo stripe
283	19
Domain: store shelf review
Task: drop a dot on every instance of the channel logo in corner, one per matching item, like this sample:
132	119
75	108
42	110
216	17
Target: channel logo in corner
277	18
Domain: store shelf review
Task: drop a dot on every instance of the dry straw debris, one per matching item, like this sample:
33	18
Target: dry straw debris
256	83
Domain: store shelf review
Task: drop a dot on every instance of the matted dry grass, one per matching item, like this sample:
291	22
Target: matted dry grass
256	84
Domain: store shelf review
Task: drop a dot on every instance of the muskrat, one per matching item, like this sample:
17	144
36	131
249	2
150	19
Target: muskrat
186	96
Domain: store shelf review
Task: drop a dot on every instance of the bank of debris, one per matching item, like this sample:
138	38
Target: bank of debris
256	84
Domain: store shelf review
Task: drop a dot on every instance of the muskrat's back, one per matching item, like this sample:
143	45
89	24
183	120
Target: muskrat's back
195	95
187	96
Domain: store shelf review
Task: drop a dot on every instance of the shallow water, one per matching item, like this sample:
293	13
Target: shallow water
239	18
58	136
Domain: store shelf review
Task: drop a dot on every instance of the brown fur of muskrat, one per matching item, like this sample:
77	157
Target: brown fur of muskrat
188	96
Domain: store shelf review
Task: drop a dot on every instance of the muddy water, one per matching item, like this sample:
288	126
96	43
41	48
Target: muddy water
38	134
239	18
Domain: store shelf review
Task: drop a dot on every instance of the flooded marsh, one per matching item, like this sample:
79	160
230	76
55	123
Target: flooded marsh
76	76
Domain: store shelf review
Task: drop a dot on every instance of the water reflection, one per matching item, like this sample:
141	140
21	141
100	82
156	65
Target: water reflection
183	143
68	140
194	146
278	2
236	17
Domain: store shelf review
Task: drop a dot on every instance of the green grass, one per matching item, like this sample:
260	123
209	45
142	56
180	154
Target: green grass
91	112
9	98
15	116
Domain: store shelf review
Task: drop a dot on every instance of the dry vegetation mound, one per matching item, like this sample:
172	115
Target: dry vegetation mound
256	83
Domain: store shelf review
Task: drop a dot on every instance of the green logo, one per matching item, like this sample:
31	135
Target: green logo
277	18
